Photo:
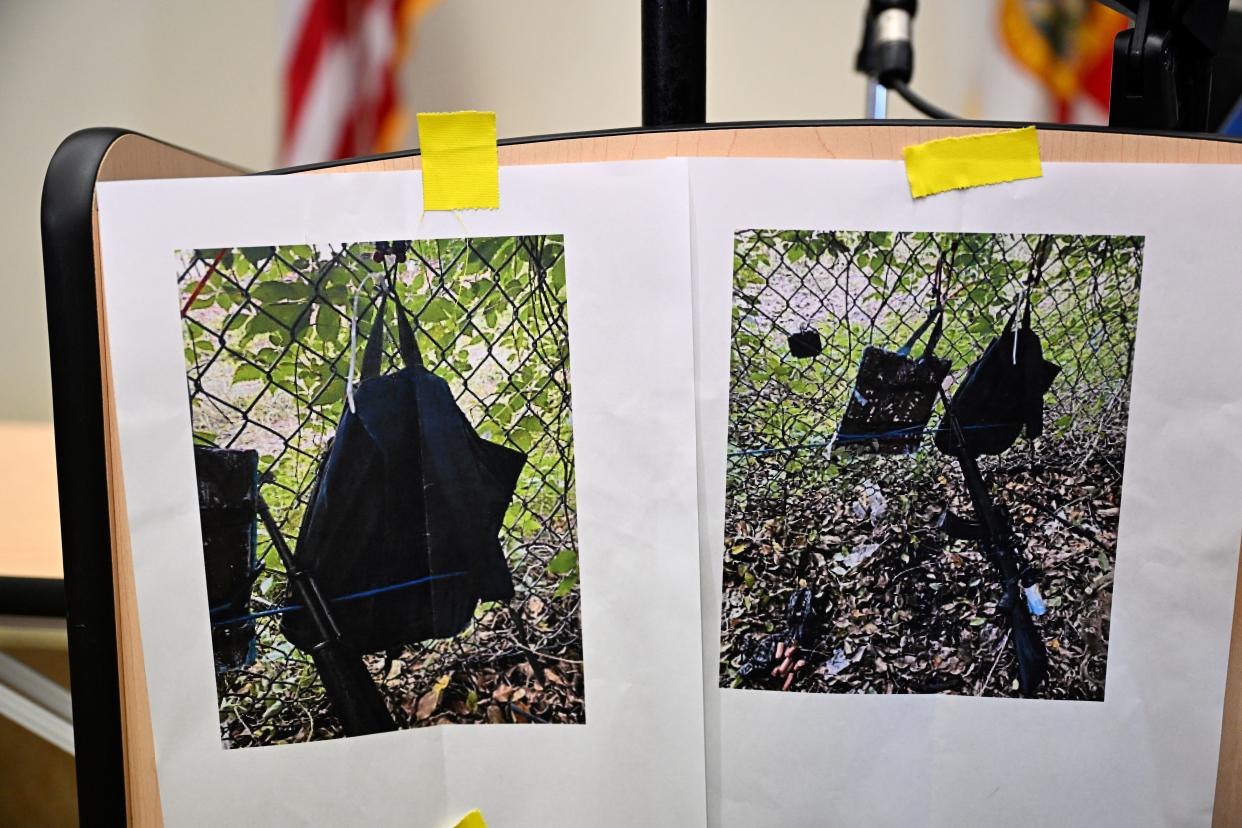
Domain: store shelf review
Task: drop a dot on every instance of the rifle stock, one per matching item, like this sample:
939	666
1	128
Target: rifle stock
1001	547
346	681
1029	648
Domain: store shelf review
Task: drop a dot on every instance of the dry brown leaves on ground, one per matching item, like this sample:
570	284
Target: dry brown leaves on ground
498	671
901	609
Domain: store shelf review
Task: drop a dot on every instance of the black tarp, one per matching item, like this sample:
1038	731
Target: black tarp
401	532
893	395
228	486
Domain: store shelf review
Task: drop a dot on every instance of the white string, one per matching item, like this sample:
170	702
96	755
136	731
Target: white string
353	340
1017	307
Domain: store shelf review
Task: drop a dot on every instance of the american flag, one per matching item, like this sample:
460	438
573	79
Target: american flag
339	61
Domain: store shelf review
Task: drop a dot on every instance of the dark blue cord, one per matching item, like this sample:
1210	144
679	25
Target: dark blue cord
367	593
852	438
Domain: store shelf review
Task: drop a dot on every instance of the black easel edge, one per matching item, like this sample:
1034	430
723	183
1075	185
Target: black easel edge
32	597
727	125
81	479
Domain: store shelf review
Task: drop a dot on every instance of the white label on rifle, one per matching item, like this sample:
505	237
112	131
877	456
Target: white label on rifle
1035	601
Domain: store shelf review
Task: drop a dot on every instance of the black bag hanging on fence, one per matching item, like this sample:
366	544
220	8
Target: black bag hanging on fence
1003	392
401	532
894	393
228	487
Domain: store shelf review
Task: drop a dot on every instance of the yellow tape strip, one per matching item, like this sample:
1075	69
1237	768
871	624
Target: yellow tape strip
972	161
461	170
472	820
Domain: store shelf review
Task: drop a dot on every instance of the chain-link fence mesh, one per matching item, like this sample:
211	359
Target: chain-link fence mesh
272	338
803	511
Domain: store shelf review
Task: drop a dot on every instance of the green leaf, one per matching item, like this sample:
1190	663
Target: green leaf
298	251
336	295
563	562
489	254
332	393
255	255
229	295
258	324
327	324
551	253
565	587
242	268
437	310
246	372
289	314
276	291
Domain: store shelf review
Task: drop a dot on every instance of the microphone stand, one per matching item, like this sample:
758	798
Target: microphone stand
886	57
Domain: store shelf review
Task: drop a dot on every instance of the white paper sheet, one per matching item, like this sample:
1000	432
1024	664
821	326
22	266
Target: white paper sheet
1147	754
638	759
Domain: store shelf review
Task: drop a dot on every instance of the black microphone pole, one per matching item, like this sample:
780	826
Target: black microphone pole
886	54
674	62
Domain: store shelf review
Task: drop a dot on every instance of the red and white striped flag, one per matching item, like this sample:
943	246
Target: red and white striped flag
339	61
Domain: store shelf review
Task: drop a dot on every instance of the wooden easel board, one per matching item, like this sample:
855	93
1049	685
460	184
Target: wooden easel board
133	156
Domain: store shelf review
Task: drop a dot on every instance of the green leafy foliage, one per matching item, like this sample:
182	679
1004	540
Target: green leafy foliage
271	339
867	288
902	609
270	334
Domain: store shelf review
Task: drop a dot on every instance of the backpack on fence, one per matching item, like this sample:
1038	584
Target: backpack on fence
401	531
1003	392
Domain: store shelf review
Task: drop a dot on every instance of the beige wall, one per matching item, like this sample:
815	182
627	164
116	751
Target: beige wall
566	65
203	74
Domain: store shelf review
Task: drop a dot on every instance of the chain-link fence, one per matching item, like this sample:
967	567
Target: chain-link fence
273	336
801	510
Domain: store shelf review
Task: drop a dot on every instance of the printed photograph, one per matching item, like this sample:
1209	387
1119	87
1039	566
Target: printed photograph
926	442
383	447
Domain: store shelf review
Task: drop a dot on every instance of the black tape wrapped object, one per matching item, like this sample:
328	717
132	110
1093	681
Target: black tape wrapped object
805	344
228	486
401	533
893	395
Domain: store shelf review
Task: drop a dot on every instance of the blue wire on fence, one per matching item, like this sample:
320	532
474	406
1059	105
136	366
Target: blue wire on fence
366	593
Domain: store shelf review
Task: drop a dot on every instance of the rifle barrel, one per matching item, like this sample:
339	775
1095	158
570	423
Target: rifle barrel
1001	547
346	680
